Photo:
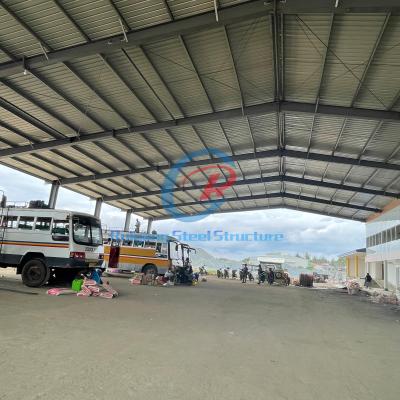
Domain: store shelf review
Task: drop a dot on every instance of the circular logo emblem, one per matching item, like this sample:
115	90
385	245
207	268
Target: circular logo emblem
220	175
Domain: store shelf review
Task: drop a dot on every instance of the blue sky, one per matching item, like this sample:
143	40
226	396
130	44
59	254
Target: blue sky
302	232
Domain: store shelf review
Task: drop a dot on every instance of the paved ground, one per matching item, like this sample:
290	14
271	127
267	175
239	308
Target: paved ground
220	340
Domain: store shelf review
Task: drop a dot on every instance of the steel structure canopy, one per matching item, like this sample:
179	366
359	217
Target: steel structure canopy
302	97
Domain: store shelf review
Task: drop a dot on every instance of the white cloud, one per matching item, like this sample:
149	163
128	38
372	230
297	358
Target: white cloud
302	231
22	188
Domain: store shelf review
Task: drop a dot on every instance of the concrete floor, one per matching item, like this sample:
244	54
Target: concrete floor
220	340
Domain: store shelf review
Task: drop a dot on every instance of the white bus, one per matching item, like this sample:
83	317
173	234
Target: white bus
47	243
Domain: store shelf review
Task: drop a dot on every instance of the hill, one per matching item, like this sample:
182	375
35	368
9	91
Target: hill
211	262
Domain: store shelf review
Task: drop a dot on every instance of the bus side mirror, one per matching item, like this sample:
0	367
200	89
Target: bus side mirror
176	247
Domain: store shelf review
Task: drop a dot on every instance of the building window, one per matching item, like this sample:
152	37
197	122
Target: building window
26	223
397	232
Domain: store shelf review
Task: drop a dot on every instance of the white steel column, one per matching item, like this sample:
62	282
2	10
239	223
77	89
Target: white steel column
55	186
149	223
385	275
97	209
127	220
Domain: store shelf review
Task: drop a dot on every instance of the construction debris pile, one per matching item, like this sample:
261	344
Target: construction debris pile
353	286
144	279
385	298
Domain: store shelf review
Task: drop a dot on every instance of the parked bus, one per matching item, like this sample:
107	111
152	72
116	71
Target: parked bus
128	252
44	243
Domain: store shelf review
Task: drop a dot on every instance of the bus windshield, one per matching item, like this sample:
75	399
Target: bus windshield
87	231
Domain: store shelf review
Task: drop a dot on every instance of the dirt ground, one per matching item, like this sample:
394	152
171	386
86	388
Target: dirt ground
219	340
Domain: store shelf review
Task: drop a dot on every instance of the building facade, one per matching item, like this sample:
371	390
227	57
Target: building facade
355	263
383	246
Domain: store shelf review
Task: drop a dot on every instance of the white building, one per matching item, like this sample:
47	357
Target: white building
383	246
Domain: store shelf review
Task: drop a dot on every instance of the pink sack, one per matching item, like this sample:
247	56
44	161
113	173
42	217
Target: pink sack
94	289
106	295
89	282
58	291
110	289
86	289
83	294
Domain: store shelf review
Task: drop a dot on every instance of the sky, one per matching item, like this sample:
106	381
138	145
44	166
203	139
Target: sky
290	231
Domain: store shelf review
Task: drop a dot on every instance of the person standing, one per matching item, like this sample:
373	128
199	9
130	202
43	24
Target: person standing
261	274
271	276
245	271
368	280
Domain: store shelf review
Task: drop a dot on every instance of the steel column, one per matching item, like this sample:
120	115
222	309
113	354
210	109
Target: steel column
149	224
127	220
385	275
97	209
55	186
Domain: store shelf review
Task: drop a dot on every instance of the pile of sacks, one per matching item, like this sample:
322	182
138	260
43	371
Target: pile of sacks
142	279
86	288
385	298
353	286
91	288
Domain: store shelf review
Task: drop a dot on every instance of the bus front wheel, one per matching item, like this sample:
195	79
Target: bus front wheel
35	273
150	269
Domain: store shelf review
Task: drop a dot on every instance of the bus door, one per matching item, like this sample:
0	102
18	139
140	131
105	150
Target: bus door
114	255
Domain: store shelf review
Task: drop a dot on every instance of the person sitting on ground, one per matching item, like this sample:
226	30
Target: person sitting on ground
368	280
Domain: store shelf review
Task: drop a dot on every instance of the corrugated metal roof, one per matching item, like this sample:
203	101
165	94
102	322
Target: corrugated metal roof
347	60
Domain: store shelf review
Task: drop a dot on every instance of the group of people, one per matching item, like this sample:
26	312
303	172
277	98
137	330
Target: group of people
246	274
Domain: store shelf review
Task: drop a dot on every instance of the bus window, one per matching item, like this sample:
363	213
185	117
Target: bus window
9	222
87	231
60	231
43	223
151	245
26	223
139	243
158	247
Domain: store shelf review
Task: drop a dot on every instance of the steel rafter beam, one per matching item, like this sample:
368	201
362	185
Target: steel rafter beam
30	119
262	180
196	23
277	207
343	6
260	109
239	157
283	195
185	26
